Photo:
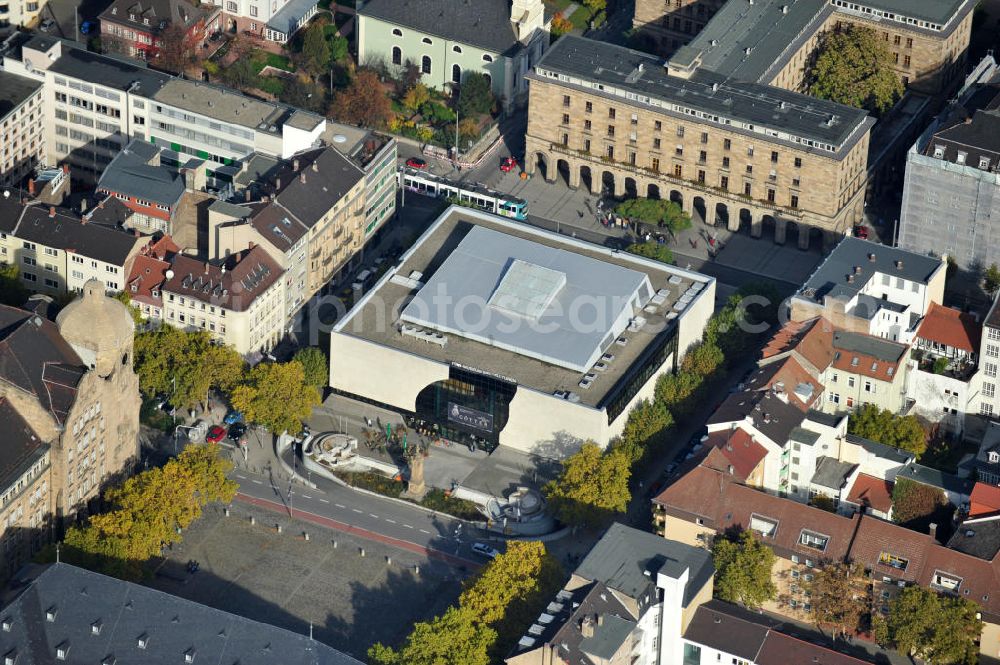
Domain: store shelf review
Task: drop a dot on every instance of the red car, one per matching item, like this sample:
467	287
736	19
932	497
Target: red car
216	434
416	163
508	164
861	232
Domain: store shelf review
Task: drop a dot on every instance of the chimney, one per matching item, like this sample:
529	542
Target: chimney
850	279
52	212
587	626
899	264
277	183
206	267
31	187
600	619
730	469
265	198
932	530
315	166
83	205
871	257
246	195
302	178
66	169
295	164
252	245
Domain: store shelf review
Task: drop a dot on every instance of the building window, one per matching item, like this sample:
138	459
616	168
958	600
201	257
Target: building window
794	202
566	101
588	107
725	162
724	183
946	581
611	152
990	369
655	165
657	125
989	390
869	387
765	526
747	189
586	125
986	409
611	113
893	561
656	144
678	171
397	55
397	32
426	40
816	541
253	10
425	64
906	61
909	42
611	131
774	156
680	131
993	350
456	74
487	57
770	195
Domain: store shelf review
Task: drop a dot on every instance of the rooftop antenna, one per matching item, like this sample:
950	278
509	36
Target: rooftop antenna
310	630
57	551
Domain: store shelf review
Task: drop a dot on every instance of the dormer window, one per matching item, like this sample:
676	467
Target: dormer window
95	628
50	614
960	159
854	361
143	641
939	151
131	17
946	581
765	526
893	561
6	625
62	651
984	163
814	540
993	456
189	655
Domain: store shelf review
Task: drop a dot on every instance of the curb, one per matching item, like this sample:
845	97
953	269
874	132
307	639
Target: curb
287	469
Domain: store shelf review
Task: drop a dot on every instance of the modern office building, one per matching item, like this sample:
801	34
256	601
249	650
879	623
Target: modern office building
773	41
497	333
734	152
448	38
951	191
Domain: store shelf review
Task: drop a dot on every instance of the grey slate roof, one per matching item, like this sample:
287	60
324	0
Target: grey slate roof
935	478
831	473
608	637
828	419
112	71
483	23
881	450
979	539
131	173
110	212
717	95
65	231
14	91
876	347
124	612
775	419
977	138
289	16
334	176
831	275
623	555
715	625
934	11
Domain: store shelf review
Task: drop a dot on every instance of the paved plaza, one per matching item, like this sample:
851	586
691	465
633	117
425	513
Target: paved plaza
350	600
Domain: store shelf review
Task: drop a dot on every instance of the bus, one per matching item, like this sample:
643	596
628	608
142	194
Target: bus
466	194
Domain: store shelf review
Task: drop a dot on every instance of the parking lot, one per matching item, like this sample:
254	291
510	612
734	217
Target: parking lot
350	600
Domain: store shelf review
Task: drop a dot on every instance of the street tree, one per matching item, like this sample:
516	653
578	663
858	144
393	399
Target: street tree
184	365
991	279
664	214
475	95
315	366
646	420
276	396
885	427
592	486
839	596
363	102
938	629
854	67
652	250
743	569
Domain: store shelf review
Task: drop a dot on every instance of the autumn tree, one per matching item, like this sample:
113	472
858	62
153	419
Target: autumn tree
664	214
148	509
560	26
124	298
176	48
592	486
416	97
494	610
646	420
743	569
839	596
854	67
991	279
184	365
315	366
363	102
933	627
885	427
276	396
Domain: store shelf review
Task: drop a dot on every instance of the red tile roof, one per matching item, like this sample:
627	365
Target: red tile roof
738	449
149	270
781	649
877	537
984	501
951	328
872	491
810	339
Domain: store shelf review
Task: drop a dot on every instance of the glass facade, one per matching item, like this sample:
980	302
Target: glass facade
468	407
647	364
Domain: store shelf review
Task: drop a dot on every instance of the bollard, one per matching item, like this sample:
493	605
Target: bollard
362	551
253	520
277	527
388	561
416	570
335	544
305	534
226	511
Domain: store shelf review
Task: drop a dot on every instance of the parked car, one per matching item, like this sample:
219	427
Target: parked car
508	164
861	232
233	417
236	432
47	25
216	434
416	163
485	550
87	27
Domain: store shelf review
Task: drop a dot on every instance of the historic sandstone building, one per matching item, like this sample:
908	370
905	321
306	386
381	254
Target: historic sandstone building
734	152
69	407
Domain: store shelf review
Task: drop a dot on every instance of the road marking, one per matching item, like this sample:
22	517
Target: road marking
408	526
239	476
257	481
356	510
306	496
425	531
324	500
390	521
340	505
372	515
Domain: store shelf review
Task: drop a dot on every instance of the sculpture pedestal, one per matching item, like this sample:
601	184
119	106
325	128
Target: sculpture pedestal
416	488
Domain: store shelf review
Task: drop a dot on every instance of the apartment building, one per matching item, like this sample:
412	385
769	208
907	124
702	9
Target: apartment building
274	20
870	288
239	301
95	104
58	252
22	144
150	190
20	12
501	39
772	41
951	190
148	276
375	154
69	404
984	385
706	501
730	152
136	28
310	216
632	601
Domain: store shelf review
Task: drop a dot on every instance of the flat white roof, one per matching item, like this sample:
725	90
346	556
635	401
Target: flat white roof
540	301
